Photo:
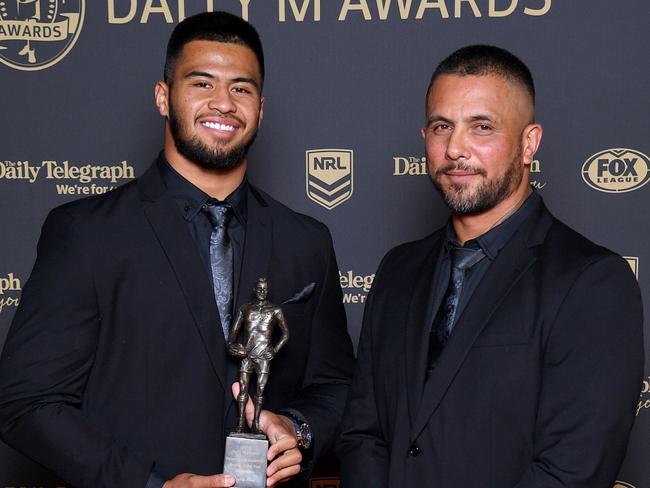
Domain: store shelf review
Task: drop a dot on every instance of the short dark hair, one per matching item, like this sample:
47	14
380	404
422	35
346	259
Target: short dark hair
481	60
212	26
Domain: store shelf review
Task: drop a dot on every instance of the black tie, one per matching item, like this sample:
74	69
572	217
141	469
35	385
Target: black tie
221	261
462	258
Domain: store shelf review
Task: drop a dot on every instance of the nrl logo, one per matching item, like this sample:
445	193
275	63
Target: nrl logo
329	176
36	34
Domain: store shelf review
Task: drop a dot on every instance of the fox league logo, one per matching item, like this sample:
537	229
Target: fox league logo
616	170
36	34
329	176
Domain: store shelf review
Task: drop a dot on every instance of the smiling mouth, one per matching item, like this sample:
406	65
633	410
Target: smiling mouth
460	170
218	126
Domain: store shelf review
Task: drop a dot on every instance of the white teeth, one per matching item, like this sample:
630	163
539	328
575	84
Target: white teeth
214	125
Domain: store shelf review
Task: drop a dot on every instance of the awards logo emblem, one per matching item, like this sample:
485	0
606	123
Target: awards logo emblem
329	176
36	34
616	170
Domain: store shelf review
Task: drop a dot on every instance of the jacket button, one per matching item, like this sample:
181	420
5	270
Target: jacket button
414	451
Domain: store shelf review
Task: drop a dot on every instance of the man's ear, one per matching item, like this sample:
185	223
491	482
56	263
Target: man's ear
161	96
259	120
531	139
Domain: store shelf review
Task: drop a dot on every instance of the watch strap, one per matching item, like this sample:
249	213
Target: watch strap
303	430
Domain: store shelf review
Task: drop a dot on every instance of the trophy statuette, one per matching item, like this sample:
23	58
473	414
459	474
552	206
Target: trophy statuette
245	456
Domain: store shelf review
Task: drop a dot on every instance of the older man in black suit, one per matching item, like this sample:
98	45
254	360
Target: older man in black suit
115	371
505	350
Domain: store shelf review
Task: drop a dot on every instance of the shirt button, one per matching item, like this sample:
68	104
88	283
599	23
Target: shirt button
414	450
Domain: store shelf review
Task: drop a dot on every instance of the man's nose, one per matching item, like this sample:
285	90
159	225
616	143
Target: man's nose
457	146
222	100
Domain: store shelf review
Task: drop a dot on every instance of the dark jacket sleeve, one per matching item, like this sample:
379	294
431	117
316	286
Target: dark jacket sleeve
331	359
591	378
46	361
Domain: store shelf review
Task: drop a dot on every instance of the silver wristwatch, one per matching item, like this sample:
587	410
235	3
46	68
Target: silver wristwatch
303	431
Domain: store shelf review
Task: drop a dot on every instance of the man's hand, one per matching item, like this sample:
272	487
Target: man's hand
189	480
284	455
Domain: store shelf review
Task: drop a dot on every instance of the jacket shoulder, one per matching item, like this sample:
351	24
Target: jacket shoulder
93	205
288	220
569	248
565	257
412	253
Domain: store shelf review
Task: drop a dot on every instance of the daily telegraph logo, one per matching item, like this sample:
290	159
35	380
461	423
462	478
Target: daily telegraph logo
329	176
70	179
616	170
355	286
410	166
10	288
417	166
36	34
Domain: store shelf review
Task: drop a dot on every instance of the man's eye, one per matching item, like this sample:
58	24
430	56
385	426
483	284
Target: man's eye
484	128
440	127
240	89
202	84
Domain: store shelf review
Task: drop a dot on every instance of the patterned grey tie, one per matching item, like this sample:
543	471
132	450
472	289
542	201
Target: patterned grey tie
462	258
221	261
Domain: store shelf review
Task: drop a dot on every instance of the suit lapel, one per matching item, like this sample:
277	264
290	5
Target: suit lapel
171	230
418	326
510	264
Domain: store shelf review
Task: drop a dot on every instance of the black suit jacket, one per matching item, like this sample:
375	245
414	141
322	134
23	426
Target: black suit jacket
536	387
116	363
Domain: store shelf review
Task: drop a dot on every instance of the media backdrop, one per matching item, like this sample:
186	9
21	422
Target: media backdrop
340	141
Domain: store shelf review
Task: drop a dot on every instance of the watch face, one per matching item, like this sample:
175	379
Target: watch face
305	436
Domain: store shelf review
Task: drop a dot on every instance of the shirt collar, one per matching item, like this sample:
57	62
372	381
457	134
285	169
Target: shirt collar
191	199
496	238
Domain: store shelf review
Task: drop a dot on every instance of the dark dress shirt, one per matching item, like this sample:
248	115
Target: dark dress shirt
490	243
191	200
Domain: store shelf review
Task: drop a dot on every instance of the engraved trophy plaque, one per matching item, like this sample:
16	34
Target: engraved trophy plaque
245	456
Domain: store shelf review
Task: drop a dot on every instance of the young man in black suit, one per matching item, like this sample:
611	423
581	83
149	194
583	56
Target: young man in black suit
115	371
505	350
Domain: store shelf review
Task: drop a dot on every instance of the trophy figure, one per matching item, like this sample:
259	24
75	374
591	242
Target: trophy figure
246	452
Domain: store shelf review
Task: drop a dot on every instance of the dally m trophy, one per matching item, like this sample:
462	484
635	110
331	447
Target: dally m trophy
256	321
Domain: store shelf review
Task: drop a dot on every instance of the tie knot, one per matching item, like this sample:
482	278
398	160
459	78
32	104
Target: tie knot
465	257
218	213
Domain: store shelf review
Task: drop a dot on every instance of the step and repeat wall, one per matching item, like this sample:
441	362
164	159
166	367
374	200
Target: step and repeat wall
345	83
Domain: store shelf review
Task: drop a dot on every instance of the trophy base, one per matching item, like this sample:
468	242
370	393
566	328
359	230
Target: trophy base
245	459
